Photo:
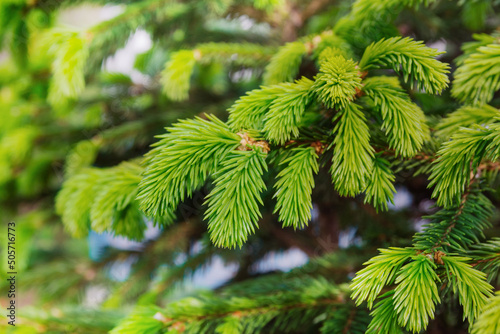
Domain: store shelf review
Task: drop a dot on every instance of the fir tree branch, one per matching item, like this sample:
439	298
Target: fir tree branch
70	52
478	78
384	319
459	160
176	76
416	293
411	303
233	204
182	161
346	321
469	48
473	290
284	309
403	121
486	257
466	116
294	187
380	271
412	58
107	37
82	156
380	189
249	111
284	117
364	10
59	318
104	200
487	321
78	52
284	66
338	82
456	228
352	154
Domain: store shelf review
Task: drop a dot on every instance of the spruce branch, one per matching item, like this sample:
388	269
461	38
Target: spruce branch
412	58
182	161
352	153
70	52
284	66
473	290
338	82
241	54
74	200
416	293
380	271
107	37
365	10
57	319
294	187
290	305
143	320
233	205
282	121
380	189
103	200
478	78
384	318
82	156
469	48
330	52
458	227
403	120
250	110
459	159
466	116
486	257
488	321
115	208
412	302
76	53
291	125
176	76
329	44
346	320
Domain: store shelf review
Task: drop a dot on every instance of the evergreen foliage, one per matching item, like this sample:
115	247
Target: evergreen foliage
281	126
284	117
412	58
352	154
233	204
459	160
488	320
380	189
478	77
403	120
178	70
285	64
486	257
106	203
207	141
249	111
294	187
457	228
337	82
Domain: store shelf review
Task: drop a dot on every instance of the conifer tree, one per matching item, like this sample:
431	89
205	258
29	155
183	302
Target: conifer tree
258	127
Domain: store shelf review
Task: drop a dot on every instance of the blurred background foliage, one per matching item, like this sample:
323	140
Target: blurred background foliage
81	86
